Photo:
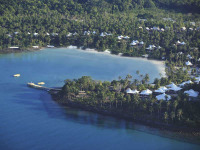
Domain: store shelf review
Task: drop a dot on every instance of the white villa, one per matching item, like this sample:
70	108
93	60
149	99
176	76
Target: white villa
54	34
35	46
151	47
162	89
146	92
35	34
102	34
186	82
69	34
120	37
188	63
192	93
129	91
163	97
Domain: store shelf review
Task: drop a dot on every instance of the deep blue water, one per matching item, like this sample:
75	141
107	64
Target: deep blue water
31	120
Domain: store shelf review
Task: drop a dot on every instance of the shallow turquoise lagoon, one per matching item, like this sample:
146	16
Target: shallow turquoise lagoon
31	120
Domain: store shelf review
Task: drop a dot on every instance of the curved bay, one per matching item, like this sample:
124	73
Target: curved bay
30	119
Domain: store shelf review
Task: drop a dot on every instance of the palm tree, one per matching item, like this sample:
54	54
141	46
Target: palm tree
160	106
172	115
179	114
151	109
116	102
136	82
146	78
136	101
168	104
166	117
127	80
128	77
121	98
144	107
175	104
111	98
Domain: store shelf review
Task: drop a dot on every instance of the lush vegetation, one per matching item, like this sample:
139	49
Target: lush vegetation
19	21
111	98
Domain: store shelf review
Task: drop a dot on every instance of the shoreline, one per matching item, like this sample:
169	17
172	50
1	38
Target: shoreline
90	50
10	51
190	135
159	63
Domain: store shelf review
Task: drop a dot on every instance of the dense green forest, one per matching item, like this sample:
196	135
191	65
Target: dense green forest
111	98
72	22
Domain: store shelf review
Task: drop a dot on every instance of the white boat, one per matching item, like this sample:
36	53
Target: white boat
41	83
16	75
31	84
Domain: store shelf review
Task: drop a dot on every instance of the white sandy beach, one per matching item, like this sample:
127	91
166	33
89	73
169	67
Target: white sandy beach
158	63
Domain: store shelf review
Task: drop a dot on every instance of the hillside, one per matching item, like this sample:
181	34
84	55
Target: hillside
70	22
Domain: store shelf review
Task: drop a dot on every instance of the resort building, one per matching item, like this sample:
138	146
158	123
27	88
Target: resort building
102	34
189	56
184	83
183	28
161	90
147	28
14	47
126	37
120	37
75	33
192	94
141	43
146	93
173	89
50	46
163	97
35	34
69	34
129	91
35	46
134	42
54	34
156	28
151	47
197	80
81	94
188	63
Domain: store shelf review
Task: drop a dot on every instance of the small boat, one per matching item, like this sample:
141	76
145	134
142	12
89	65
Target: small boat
41	83
33	85
16	75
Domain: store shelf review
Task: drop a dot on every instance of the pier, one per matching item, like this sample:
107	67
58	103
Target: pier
33	85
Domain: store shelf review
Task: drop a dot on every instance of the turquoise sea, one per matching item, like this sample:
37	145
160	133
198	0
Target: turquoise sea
31	120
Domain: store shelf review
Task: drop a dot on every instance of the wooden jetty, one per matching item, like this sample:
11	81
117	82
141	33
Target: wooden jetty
33	85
